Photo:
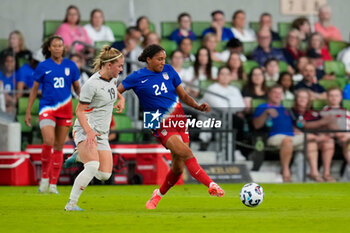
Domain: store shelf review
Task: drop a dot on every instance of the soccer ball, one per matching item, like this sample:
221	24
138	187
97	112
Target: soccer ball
252	195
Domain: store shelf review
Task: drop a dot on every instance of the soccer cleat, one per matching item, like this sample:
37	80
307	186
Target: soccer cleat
72	207
71	160
53	189
152	203
215	190
44	185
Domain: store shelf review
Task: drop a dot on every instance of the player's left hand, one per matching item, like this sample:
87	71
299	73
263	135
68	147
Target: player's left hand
120	105
204	107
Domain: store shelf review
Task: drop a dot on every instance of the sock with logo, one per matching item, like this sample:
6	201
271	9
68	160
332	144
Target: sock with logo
45	161
56	164
170	181
197	171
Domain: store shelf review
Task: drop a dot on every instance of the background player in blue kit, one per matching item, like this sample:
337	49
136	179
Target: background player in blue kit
158	89
56	75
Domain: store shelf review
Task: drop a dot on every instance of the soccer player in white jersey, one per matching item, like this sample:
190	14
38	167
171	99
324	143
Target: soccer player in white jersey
94	113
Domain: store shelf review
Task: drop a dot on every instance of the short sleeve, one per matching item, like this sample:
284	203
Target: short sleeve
75	72
39	73
175	76
259	110
87	93
129	82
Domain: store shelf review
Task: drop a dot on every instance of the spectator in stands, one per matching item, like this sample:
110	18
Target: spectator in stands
130	48
306	118
308	82
184	30
25	74
292	51
301	63
334	108
238	23
316	42
209	41
255	87
71	31
176	60
186	49
344	56
286	81
302	24
281	134
17	47
84	73
233	46
235	65
218	27
316	60
264	51
272	70
150	38
142	24
266	22
96	29
2	97
8	78
325	27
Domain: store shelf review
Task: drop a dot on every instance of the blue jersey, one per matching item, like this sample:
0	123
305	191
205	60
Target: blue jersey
9	82
25	74
56	80
156	91
282	124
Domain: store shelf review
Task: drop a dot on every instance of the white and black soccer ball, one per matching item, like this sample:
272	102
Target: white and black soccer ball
252	195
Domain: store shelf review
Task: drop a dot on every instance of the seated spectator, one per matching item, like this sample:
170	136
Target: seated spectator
8	78
316	60
325	27
186	48
255	87
233	46
218	27
292	51
264	51
184	30
286	81
25	74
209	41
316	42
238	23
344	56
235	65
96	29
302	24
2	97
130	48
142	24
301	63
309	76
150	38
176	61
71	31
306	118
16	45
266	22
335	109
80	62
272	70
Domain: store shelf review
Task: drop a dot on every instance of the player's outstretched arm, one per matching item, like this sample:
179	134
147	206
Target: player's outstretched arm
184	97
120	104
121	89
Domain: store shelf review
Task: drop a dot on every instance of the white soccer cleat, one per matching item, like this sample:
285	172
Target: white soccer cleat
71	206
53	189
44	185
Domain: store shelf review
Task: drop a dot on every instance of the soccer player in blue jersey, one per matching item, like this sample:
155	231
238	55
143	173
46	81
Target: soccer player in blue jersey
56	75
159	90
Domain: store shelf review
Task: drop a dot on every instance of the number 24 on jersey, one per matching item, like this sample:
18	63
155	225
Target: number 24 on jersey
158	91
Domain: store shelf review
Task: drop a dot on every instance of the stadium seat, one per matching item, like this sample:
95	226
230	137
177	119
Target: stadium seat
196	44
24	127
3	44
167	28
287	103
277	44
50	27
303	45
283	66
249	65
23	103
317	105
327	84
100	44
238	83
336	67
198	27
151	26
75	102
342	81
346	104
221	46
204	84
283	28
123	122
270	83
257	102
168	45
218	64
254	26
336	46
118	28
248	47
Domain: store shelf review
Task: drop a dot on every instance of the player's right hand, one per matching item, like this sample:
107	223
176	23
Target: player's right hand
91	138
28	119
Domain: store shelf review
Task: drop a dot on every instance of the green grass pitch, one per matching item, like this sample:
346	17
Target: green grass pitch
187	208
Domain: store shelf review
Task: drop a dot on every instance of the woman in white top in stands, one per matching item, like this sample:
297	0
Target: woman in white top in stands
96	29
238	22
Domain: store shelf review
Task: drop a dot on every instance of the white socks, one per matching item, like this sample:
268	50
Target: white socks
83	179
103	175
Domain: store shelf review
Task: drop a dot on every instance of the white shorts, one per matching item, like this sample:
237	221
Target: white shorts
276	140
79	135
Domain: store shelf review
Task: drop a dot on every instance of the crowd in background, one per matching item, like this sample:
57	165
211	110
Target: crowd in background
278	70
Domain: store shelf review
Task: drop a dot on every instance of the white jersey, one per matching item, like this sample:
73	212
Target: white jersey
101	95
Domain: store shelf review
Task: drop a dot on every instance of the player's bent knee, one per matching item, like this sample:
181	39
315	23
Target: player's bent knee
92	167
102	176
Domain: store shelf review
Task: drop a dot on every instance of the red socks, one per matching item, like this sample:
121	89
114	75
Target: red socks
170	181
197	171
56	164
45	160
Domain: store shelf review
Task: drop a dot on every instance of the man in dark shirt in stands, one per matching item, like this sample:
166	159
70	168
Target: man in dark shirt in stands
217	27
266	21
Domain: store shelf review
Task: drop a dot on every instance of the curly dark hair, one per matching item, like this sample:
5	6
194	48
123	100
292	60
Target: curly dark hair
149	52
47	44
